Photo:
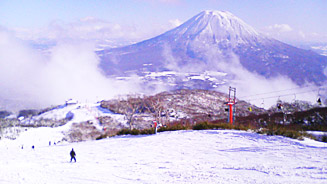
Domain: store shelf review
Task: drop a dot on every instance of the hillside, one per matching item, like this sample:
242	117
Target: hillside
214	156
83	121
165	107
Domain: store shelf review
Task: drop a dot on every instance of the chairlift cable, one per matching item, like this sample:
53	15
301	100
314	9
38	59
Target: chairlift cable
259	94
281	95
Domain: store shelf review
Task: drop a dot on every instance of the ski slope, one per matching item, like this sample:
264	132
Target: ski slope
208	156
80	112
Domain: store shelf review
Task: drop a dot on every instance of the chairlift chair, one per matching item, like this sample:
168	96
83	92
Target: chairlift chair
319	98
319	101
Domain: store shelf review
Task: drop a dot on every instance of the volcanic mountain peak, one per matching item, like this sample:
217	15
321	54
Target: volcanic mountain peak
216	26
208	39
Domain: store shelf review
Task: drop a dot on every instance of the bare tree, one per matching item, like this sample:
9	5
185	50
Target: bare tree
157	107
129	106
133	104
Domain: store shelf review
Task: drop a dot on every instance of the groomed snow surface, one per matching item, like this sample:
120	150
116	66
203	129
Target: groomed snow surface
208	156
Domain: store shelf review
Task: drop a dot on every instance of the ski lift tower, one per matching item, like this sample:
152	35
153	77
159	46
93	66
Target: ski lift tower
231	101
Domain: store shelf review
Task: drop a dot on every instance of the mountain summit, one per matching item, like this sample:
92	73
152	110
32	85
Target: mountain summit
207	39
216	27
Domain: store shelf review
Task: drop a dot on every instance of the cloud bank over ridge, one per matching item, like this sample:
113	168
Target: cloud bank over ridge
30	79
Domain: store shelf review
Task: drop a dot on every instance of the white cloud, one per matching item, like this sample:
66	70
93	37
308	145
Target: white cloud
280	28
95	30
286	33
88	29
249	84
175	22
30	80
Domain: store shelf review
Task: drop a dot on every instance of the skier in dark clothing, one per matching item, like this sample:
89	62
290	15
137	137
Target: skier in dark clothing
72	155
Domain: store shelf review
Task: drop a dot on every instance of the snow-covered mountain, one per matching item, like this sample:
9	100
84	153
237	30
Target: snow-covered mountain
218	27
210	41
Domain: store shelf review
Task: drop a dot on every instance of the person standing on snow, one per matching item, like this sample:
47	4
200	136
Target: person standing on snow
72	155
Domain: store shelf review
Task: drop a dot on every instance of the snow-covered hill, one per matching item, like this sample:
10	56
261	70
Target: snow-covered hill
211	156
67	121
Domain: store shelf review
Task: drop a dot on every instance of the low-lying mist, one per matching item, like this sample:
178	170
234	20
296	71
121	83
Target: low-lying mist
265	92
30	79
251	87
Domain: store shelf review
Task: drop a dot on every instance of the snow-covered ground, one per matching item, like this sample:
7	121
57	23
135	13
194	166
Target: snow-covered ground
208	156
79	112
318	134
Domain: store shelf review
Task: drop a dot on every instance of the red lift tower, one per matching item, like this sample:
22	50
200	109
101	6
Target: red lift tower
231	101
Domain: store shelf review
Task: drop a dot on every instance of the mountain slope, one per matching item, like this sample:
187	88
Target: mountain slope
210	156
209	39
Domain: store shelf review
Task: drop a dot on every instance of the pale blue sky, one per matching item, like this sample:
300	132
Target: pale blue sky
305	17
